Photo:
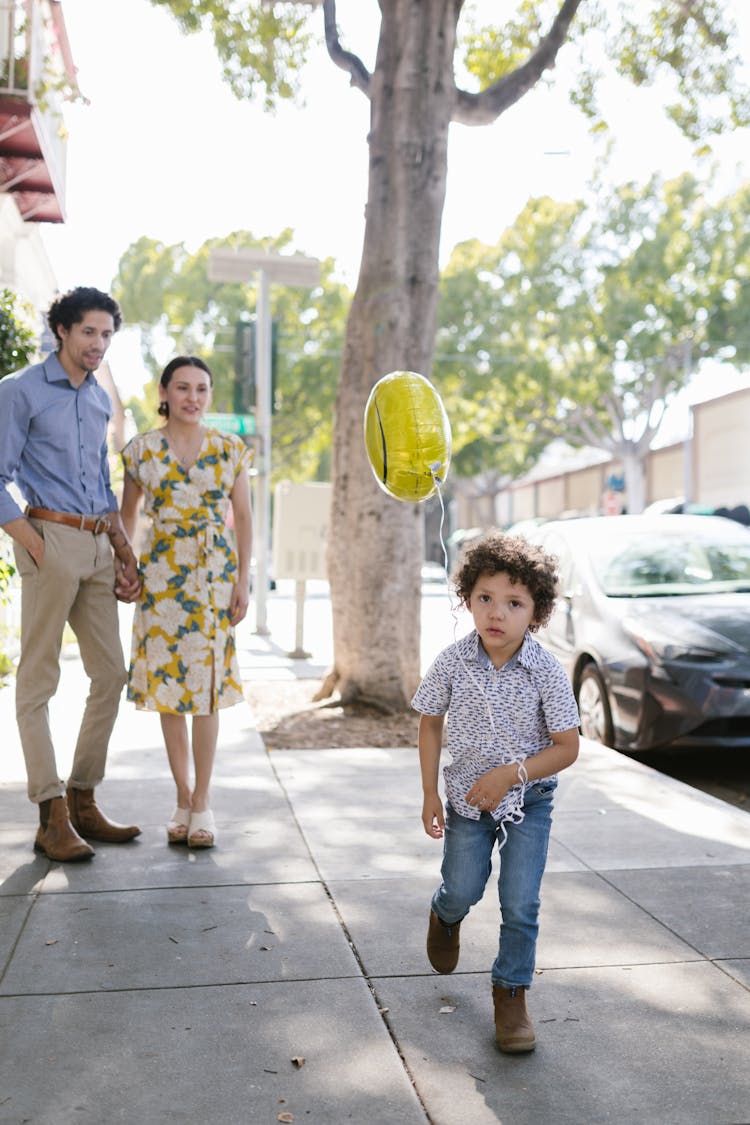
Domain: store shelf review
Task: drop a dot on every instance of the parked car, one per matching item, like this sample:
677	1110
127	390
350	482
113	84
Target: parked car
653	627
676	504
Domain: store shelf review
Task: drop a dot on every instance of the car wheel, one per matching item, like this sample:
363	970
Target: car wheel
593	707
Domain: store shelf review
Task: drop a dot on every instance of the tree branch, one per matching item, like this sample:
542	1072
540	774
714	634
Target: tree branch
656	402
615	411
482	109
591	429
351	63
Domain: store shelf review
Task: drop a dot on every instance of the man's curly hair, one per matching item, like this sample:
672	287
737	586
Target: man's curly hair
498	553
71	308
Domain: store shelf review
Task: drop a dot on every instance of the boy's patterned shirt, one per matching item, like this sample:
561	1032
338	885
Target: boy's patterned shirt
495	715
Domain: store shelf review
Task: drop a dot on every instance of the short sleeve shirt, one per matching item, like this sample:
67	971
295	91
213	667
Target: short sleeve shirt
494	715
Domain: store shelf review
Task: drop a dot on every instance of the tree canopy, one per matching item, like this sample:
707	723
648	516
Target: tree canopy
583	321
167	291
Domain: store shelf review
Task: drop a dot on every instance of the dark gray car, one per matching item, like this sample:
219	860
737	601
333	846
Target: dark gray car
653	626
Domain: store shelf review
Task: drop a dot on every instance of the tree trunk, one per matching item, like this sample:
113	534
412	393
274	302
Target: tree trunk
634	466
376	542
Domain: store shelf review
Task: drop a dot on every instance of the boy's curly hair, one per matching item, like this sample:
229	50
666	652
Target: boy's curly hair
498	553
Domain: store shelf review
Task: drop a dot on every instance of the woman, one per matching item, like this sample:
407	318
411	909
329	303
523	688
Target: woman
195	587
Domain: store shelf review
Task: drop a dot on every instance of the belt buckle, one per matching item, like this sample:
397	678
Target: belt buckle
101	525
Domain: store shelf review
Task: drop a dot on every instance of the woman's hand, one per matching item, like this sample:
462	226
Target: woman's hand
127	579
239	602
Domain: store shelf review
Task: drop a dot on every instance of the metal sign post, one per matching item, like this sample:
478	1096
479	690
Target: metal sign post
286	269
263	421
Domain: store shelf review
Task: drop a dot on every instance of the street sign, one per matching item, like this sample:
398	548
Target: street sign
241	265
242	424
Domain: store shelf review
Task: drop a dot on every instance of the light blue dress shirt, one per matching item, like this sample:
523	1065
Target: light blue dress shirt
53	442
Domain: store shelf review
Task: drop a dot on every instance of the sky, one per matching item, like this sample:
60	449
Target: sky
164	150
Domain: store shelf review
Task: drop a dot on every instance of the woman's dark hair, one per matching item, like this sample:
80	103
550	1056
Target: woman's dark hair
172	366
71	308
498	553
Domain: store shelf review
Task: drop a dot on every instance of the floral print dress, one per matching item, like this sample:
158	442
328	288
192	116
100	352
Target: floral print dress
183	658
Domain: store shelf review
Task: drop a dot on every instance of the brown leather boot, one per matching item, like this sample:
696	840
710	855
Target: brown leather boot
514	1031
56	837
90	821
442	944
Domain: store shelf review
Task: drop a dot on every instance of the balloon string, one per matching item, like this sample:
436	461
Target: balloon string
441	533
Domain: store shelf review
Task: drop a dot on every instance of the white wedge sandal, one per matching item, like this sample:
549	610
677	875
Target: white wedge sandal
202	831
177	826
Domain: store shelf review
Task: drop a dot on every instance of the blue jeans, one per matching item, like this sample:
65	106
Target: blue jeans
467	863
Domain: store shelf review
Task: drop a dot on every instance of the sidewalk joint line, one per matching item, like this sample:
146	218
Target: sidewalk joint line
67	892
22	929
355	952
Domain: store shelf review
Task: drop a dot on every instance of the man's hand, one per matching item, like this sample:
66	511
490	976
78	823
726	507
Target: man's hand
26	535
36	549
433	817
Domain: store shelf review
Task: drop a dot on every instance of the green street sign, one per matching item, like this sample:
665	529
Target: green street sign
242	424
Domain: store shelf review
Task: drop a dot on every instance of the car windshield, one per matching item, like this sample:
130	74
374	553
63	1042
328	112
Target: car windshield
666	564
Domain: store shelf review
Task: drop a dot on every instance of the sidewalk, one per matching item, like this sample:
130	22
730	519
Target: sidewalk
158	985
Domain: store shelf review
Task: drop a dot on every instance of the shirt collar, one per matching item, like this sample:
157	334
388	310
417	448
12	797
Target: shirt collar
527	655
54	372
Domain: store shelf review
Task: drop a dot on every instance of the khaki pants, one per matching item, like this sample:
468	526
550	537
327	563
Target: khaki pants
75	584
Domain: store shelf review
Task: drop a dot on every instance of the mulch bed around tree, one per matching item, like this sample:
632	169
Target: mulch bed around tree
288	719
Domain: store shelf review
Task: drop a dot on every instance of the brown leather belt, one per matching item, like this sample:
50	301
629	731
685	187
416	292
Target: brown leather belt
97	524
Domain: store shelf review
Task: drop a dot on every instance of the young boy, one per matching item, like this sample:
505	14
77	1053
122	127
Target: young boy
512	725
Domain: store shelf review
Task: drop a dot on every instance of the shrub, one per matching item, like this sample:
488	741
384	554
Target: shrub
17	337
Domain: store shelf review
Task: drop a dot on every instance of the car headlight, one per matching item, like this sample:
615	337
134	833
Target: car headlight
672	639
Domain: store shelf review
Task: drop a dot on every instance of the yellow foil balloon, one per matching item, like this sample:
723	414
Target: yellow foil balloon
407	436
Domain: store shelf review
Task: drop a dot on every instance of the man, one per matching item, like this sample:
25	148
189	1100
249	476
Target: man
53	445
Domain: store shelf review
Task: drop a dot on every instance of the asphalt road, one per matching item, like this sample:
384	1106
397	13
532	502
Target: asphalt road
723	773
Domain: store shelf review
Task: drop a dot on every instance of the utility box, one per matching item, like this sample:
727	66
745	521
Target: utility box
300	530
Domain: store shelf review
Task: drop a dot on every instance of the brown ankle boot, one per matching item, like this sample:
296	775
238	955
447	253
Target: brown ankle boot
442	944
56	837
514	1031
90	821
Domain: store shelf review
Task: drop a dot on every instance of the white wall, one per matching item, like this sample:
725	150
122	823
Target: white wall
24	265
720	471
721	450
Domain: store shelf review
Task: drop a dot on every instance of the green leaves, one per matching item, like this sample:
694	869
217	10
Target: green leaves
262	48
687	50
582	322
167	290
491	52
17	338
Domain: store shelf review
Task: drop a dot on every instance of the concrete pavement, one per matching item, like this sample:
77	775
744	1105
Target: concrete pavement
158	985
